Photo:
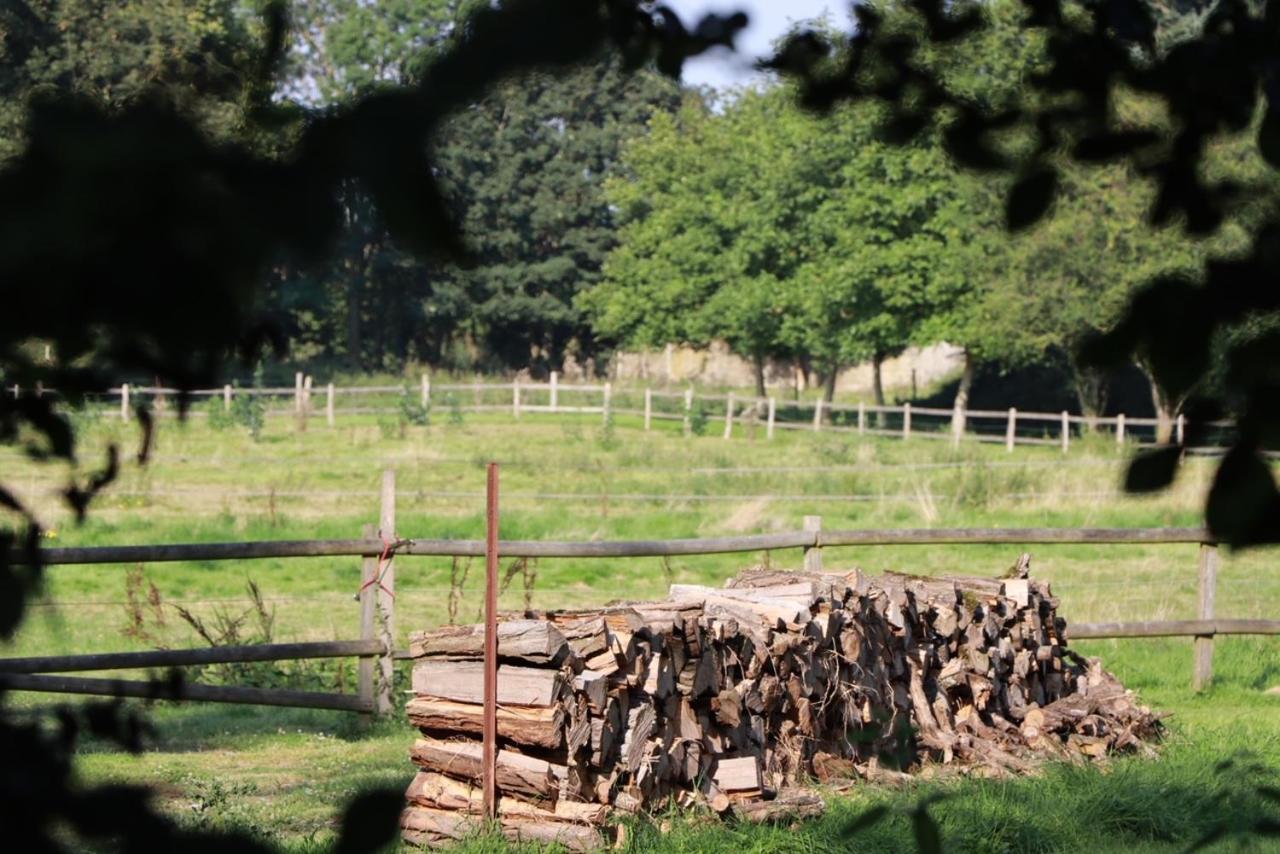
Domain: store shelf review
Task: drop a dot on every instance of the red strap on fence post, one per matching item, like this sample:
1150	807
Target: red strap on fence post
491	646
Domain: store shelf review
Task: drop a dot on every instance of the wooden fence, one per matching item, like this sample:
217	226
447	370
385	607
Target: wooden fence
380	546
1010	427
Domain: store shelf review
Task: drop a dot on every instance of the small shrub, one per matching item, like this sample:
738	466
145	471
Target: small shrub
248	411
412	410
220	416
455	408
253	625
698	419
144	609
608	433
218	806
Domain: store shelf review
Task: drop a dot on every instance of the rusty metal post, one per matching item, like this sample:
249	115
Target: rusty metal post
385	591
491	646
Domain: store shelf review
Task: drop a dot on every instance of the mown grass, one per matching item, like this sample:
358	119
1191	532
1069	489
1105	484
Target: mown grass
286	773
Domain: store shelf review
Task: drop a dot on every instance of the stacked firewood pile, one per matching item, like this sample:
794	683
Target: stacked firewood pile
730	697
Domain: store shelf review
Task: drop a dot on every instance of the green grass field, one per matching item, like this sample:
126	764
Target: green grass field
286	773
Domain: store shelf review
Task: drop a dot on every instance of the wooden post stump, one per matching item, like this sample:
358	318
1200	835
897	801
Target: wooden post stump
1202	674
813	554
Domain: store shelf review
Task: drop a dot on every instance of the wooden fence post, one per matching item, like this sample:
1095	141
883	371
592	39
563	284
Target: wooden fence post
368	623
862	418
328	405
1202	674
648	408
515	397
386	590
906	420
728	416
1120	429
688	410
1011	429
226	398
426	390
1178	429
773	412
608	399
813	553
1066	431
297	391
555	389
817	416
306	403
124	400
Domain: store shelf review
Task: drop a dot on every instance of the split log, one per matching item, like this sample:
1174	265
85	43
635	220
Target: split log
463	681
518	774
532	725
439	791
529	640
738	775
424	826
789	805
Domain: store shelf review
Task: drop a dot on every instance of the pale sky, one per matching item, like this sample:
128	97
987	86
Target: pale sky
769	20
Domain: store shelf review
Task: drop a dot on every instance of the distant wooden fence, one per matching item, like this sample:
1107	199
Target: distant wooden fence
380	546
734	412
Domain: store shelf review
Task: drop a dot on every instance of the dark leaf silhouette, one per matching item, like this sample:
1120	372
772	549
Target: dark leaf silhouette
1243	505
925	829
1152	470
1030	198
1269	136
147	426
869	817
369	823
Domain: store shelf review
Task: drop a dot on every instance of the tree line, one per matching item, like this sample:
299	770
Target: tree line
820	239
601	208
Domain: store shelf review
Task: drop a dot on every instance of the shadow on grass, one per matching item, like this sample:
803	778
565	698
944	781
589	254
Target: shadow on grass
1166	804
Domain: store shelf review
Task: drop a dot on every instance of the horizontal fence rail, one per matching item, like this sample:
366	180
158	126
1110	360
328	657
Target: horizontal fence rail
616	548
191	657
183	690
1011	427
381	545
1174	628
